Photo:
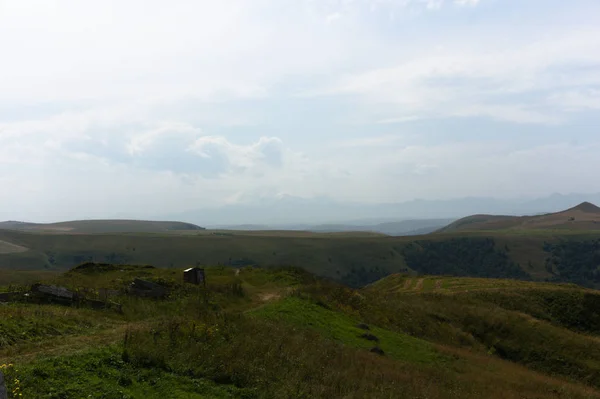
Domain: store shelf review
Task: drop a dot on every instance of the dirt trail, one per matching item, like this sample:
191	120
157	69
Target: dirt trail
9	248
419	285
407	284
269	296
438	284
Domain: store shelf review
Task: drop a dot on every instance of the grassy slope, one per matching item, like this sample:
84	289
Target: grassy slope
8	248
272	333
343	328
337	256
405	284
551	328
321	253
584	217
102	226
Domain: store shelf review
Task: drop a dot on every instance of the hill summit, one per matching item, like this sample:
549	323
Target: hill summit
586	207
585	216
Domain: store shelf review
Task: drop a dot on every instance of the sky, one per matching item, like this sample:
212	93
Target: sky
142	107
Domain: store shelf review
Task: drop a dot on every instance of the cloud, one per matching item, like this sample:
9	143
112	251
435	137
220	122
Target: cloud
577	100
483	81
166	134
123	136
376	141
201	102
466	2
266	152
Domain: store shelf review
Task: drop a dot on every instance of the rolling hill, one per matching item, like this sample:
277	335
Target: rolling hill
355	259
8	248
100	226
585	216
559	247
283	333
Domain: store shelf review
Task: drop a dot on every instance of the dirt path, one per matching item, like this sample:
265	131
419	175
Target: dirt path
9	248
407	284
269	296
419	285
438	284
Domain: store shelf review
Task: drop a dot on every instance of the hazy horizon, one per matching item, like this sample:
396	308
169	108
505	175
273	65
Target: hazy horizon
148	108
294	212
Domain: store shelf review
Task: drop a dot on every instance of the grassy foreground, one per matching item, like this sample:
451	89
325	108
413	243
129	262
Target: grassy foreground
282	333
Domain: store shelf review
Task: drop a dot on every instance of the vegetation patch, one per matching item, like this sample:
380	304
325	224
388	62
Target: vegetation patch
465	256
91	268
576	261
29	322
347	330
104	374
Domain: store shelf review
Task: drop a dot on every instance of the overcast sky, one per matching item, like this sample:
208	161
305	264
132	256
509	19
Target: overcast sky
144	106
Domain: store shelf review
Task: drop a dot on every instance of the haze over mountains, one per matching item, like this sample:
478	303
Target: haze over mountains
324	215
289	212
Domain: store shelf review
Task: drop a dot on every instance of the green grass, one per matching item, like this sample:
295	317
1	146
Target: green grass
353	260
104	374
396	283
344	329
104	226
12	279
21	323
551	328
229	340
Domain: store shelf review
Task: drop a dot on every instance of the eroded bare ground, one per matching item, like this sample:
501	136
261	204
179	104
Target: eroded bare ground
269	296
419	285
10	248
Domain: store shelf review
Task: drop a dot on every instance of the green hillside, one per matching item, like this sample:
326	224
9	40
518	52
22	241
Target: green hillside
353	259
283	333
583	217
101	226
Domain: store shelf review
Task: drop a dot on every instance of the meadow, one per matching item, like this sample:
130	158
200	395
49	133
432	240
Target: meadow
286	333
352	259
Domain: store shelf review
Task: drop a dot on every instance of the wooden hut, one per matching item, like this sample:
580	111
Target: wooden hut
194	275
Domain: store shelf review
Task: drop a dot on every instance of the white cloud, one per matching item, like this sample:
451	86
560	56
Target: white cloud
182	105
140	142
267	151
455	81
375	141
577	100
466	2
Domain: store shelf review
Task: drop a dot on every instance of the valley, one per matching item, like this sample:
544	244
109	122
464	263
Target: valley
303	314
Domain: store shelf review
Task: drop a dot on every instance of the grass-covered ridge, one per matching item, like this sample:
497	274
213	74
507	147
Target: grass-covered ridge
345	329
548	327
354	260
279	333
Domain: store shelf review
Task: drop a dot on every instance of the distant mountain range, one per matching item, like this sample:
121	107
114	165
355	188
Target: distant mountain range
281	213
399	228
324	215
